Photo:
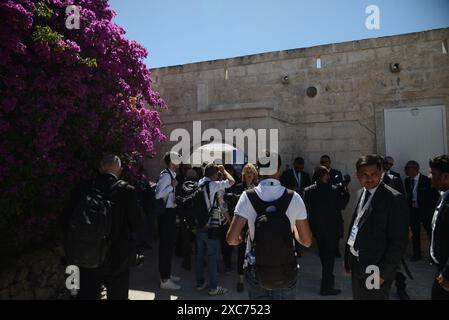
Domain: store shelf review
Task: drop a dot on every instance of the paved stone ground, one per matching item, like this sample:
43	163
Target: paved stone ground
145	281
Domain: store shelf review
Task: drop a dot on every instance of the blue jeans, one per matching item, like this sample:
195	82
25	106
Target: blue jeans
212	248
256	292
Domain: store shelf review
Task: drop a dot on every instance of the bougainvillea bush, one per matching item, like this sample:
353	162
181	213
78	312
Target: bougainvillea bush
67	97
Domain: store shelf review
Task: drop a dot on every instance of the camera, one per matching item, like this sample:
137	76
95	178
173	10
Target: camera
345	182
140	258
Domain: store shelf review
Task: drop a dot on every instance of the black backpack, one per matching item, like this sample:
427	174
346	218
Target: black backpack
88	236
193	201
276	266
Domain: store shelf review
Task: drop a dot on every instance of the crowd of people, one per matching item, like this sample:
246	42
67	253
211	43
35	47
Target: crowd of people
208	211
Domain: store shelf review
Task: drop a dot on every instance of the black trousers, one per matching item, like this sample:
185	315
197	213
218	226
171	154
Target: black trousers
226	249
416	219
184	242
438	293
91	281
327	249
359	288
241	249
167	234
400	278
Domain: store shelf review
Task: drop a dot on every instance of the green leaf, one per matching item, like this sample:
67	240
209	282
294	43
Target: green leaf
43	11
45	33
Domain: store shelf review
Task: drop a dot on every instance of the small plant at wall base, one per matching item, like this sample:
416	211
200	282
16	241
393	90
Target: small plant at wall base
66	98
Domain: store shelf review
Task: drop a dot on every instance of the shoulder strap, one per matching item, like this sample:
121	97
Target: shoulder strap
207	184
115	188
284	201
260	206
169	172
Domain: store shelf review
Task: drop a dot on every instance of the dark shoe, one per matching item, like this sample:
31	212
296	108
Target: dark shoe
186	266
403	295
415	258
240	287
331	292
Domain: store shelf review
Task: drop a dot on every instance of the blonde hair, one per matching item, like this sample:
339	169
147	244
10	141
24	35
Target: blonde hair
250	167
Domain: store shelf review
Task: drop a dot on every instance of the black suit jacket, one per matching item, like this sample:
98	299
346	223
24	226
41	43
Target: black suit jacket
427	196
288	180
324	203
127	219
440	243
394	173
383	232
394	182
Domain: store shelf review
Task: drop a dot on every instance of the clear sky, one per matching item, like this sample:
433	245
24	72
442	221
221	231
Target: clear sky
184	31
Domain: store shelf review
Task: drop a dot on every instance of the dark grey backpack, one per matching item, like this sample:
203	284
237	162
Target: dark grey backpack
89	233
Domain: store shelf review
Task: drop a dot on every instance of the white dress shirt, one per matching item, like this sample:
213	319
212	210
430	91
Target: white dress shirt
361	212
164	189
297	176
415	191
214	187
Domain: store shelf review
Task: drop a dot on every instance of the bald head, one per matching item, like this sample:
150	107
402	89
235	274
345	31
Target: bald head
111	164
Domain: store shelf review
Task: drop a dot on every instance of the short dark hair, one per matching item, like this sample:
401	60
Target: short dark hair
412	163
211	169
440	163
168	155
325	156
319	172
299	160
369	160
269	154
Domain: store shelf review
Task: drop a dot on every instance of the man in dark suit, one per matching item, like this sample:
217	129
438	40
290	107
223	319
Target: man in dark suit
378	233
392	181
388	164
336	179
395	182
439	248
127	220
296	178
422	199
336	176
324	203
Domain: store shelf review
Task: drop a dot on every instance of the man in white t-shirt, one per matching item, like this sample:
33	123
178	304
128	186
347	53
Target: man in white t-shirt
268	190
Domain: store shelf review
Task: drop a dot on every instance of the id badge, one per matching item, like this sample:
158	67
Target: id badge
353	236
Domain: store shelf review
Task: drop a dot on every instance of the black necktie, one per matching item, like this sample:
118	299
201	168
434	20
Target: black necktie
367	196
412	185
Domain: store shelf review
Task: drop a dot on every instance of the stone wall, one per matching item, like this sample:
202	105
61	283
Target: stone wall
345	119
37	275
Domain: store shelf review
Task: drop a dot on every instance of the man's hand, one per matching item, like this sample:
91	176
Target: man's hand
443	282
174	183
381	280
221	168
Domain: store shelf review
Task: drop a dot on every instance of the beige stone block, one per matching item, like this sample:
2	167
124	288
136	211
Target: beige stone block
239	71
361	56
319	132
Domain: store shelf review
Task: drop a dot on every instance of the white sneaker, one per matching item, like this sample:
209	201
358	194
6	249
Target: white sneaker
174	278
170	285
218	291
